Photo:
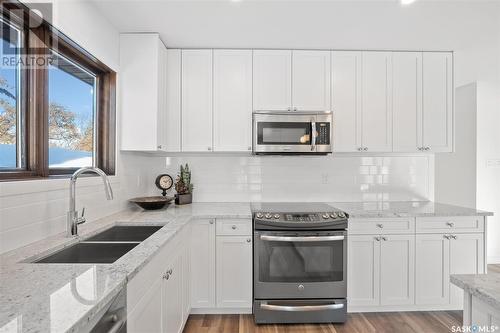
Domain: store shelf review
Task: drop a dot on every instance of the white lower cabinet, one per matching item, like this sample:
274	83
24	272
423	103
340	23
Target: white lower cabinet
146	316
203	263
381	270
438	256
172	307
234	271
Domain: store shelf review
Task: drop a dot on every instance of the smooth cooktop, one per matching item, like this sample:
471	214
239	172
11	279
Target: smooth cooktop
292	207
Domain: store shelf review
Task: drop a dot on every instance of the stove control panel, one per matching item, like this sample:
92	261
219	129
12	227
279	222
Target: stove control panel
301	217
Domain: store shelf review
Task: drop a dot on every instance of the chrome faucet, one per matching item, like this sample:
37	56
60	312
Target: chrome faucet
73	219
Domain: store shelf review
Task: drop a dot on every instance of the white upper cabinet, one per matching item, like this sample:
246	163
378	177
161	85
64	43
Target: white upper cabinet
407	101
311	80
173	119
346	100
376	118
272	80
196	100
437	101
143	76
232	100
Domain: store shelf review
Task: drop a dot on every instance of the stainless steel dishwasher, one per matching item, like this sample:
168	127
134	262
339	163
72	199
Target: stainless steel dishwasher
113	319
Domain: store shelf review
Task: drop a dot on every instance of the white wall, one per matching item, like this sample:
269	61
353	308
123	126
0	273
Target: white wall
32	210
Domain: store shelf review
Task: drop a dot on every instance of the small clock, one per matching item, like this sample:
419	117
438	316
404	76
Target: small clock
164	182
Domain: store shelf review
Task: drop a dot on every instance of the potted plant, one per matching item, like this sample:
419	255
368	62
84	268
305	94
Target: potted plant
183	186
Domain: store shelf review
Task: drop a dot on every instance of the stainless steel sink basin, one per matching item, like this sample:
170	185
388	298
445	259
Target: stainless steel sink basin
125	233
89	253
104	248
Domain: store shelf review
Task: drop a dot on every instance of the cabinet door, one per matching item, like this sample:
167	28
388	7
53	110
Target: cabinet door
196	100
203	264
234	286
161	122
173	95
232	100
346	100
376	116
186	282
139	73
432	269
397	270
172	296
466	257
147	315
272	80
437	101
311	80
407	101
363	280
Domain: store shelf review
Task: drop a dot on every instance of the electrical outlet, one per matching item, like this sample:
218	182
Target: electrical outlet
493	163
324	178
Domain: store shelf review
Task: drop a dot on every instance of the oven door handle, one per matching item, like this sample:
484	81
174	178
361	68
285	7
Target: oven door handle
301	239
302	308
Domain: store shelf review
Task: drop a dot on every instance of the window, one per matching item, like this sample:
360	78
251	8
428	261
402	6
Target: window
11	125
57	101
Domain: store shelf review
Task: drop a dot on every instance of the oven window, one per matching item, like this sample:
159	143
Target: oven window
283	133
300	261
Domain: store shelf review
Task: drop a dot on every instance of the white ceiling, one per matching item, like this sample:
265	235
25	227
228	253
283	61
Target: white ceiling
436	25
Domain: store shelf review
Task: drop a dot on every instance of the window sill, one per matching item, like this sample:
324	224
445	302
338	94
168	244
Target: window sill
10	187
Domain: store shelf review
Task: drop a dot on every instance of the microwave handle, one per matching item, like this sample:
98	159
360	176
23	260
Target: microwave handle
313	134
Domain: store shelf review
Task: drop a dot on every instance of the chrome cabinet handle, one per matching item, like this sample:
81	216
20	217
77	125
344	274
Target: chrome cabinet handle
450	224
301	239
209	148
447	236
211	222
249	148
365	148
313	130
234	227
289	109
377	239
249	240
303	308
453	236
384	238
360	149
380	225
427	148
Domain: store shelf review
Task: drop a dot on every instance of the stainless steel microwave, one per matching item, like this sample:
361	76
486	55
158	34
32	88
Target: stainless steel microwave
292	132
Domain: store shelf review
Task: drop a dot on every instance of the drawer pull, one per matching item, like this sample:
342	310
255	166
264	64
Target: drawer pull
453	236
450	224
377	239
384	238
249	240
447	236
234	227
380	225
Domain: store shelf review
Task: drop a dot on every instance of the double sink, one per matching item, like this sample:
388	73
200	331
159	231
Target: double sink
103	248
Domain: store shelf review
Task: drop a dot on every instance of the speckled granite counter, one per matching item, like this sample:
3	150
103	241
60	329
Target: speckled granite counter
486	287
404	209
64	297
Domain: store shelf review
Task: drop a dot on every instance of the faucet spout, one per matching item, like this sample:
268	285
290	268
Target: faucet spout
73	220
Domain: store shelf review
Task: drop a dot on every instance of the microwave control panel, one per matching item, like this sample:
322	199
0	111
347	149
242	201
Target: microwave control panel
323	130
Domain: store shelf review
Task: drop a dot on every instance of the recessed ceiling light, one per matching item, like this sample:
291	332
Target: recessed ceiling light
407	2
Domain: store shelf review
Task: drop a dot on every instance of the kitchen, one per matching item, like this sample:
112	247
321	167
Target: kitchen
370	125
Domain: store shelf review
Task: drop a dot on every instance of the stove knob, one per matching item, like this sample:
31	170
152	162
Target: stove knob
276	216
325	216
333	215
259	215
342	215
268	216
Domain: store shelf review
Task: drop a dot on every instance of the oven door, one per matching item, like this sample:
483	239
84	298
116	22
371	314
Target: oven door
284	133
300	264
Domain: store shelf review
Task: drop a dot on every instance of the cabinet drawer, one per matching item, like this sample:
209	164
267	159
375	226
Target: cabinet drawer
381	226
450	224
234	227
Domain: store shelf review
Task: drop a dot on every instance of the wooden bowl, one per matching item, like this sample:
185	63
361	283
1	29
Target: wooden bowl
152	203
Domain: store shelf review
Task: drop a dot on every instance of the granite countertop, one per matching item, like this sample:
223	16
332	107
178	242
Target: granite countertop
64	297
404	209
486	287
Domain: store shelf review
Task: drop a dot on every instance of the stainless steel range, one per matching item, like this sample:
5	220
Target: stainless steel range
300	263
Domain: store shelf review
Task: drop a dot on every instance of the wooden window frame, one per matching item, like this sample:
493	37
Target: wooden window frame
35	99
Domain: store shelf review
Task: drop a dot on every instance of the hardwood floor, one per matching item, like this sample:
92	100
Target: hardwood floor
380	322
397	322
